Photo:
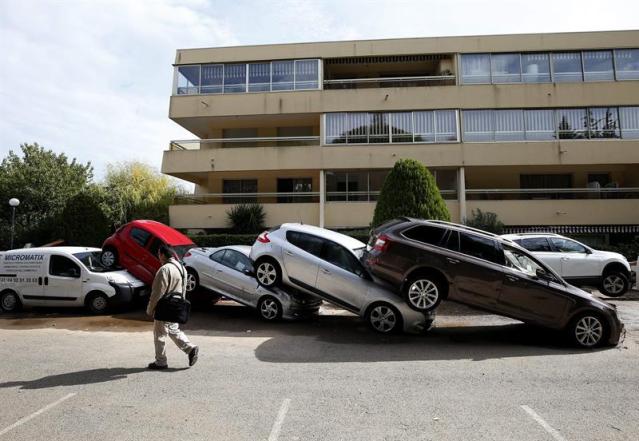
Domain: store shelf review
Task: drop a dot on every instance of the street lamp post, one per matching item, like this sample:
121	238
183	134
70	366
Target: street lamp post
13	202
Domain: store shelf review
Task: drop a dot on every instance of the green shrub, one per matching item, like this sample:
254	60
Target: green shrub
222	239
486	221
629	250
410	190
246	218
83	220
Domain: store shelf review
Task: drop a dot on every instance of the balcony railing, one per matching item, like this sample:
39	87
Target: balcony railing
247	198
369	83
215	143
552	193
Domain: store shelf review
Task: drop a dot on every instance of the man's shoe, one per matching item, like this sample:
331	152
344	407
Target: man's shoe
193	355
156	367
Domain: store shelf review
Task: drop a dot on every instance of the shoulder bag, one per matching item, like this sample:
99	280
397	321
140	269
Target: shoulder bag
174	307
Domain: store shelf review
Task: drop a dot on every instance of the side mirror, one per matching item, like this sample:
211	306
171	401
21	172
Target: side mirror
543	275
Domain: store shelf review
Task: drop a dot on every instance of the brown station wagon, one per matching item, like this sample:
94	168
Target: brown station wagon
428	261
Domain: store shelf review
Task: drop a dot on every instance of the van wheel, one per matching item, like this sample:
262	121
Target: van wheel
589	330
97	303
614	284
10	302
109	258
384	318
192	281
270	308
423	293
268	273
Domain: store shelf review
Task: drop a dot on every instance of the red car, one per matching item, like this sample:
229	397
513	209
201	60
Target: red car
134	247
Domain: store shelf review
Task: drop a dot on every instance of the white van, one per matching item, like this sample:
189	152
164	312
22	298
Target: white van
63	276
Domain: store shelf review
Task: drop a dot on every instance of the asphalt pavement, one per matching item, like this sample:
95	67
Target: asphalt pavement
68	376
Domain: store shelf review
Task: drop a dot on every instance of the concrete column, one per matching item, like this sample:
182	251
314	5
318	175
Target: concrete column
322	197
461	194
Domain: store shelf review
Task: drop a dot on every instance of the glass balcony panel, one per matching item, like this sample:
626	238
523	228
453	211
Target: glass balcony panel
598	66
235	78
505	68
283	75
535	68
478	126
475	68
567	67
259	77
306	74
627	64
188	80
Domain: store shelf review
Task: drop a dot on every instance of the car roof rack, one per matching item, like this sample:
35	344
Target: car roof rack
465	227
537	233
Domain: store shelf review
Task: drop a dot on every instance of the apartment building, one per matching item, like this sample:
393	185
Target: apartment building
542	129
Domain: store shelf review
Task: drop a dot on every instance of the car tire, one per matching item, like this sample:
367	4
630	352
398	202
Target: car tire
192	281
384	318
268	273
269	308
614	284
97	303
10	301
589	330
109	258
423	293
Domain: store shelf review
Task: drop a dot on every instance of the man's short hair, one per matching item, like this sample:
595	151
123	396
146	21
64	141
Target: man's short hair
167	251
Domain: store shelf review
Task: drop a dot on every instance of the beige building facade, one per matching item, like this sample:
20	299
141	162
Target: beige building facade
541	129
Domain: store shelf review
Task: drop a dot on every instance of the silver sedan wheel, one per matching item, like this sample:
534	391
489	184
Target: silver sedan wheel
269	309
383	319
423	294
99	303
191	283
588	331
108	258
266	273
613	284
9	301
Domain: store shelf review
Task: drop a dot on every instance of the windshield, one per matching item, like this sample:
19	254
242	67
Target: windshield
521	261
182	249
91	260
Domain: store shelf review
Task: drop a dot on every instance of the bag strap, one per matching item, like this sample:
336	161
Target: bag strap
181	270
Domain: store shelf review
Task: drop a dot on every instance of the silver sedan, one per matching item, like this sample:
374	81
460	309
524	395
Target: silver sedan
228	271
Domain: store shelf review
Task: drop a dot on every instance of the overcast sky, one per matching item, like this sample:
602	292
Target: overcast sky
93	78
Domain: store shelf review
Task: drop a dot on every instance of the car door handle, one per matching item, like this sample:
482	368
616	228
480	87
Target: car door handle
565	259
453	261
288	253
325	271
513	278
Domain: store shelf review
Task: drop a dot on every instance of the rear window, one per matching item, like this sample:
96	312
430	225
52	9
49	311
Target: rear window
480	247
306	242
427	234
535	244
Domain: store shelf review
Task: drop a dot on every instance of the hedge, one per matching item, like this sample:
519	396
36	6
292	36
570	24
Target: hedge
225	239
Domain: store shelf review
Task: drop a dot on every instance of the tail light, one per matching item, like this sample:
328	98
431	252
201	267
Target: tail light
381	243
263	238
188	254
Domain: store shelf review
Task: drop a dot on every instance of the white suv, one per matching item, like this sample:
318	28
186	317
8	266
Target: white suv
578	263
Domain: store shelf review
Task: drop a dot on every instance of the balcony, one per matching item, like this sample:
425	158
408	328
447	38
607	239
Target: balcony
371	83
216	143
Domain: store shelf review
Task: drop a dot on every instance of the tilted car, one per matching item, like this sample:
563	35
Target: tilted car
135	245
326	264
228	271
428	261
580	264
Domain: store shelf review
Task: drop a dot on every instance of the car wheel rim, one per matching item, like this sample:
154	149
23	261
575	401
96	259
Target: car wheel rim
190	282
383	318
266	273
108	258
613	284
423	294
99	303
9	302
589	331
269	309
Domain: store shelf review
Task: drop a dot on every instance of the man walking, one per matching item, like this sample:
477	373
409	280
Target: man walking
171	277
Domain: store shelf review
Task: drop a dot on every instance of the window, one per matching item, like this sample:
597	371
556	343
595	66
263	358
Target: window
239	133
306	74
452	241
539	244
598	66
339	256
402	127
212	78
566	67
480	247
535	68
378	128
234	78
91	259
505	68
63	267
425	234
447	182
239	186
283	75
155	246
627	64
520	261
445	125
294	185
237	261
259	77
545	181
307	242
218	256
478	125
140	237
188	80
629	117
571	123
540	125
475	68
600	179
376	179
604	122
357	129
336	127
424	126
567	245
509	125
